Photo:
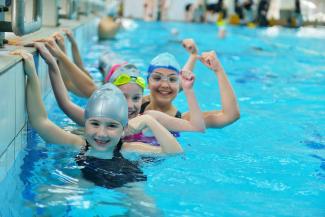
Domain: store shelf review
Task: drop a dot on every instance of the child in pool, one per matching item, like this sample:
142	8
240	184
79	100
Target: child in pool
106	117
167	65
133	91
128	79
163	91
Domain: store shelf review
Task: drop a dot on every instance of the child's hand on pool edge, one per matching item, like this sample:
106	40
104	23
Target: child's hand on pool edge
69	34
59	39
44	52
54	49
29	66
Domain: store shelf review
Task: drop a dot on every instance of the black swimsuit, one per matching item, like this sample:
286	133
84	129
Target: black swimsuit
109	173
145	104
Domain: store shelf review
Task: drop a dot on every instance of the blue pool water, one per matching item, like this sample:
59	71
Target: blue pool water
271	162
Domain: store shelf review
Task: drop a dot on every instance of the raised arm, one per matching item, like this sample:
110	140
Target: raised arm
50	132
72	110
67	82
168	143
191	48
77	76
75	51
230	110
194	121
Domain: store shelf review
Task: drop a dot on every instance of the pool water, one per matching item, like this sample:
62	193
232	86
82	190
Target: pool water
271	162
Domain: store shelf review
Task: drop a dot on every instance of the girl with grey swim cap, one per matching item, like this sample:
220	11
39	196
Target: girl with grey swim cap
106	118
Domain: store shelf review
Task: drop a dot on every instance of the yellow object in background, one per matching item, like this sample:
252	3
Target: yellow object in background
220	23
273	22
234	19
251	25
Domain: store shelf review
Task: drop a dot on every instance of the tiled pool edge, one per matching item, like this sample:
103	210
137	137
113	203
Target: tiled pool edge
13	120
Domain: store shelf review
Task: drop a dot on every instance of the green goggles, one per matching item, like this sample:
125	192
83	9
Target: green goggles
125	79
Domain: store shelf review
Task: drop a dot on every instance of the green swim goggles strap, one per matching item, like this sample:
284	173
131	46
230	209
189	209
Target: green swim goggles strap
125	79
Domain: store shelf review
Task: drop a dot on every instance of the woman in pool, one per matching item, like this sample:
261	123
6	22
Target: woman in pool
127	78
163	73
106	116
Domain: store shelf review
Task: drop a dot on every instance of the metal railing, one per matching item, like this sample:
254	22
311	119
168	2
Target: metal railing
18	24
19	27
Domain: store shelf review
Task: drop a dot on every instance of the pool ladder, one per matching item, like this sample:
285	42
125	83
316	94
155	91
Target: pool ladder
54	9
18	24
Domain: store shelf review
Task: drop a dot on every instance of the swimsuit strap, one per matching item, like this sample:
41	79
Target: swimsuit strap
84	149
178	114
145	105
116	152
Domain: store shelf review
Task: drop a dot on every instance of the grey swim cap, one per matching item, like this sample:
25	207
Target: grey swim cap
108	102
107	60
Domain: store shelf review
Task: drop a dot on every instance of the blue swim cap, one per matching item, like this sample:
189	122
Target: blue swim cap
164	60
108	102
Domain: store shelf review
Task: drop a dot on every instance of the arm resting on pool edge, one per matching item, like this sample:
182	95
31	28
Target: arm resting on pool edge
67	82
76	75
75	51
72	110
50	132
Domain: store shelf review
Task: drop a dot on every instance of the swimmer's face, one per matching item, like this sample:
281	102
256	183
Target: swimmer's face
163	85
133	94
103	133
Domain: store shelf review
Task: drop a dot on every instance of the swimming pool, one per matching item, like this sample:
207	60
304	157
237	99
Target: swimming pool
271	162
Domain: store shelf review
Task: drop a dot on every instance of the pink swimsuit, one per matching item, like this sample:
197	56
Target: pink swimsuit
139	137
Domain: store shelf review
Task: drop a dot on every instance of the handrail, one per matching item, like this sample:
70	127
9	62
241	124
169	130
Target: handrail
19	26
71	7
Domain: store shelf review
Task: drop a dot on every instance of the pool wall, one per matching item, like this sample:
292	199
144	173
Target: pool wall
13	114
